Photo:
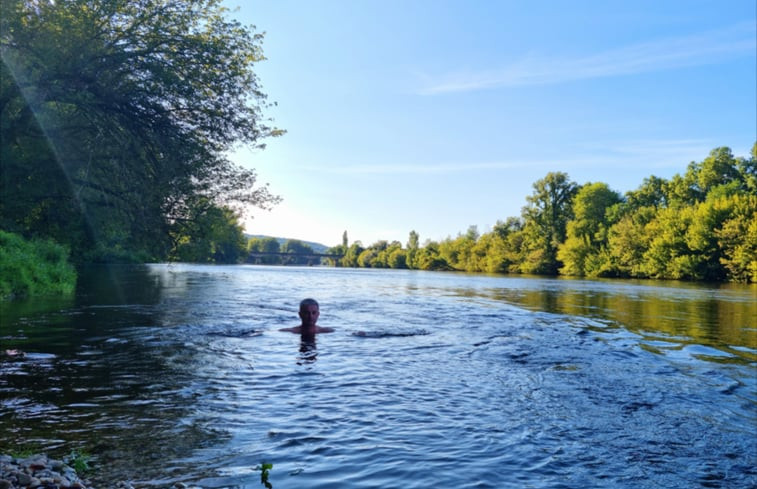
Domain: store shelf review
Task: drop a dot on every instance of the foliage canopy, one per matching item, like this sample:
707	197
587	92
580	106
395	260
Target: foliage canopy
115	118
701	225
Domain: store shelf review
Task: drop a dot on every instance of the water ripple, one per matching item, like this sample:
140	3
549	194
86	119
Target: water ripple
457	381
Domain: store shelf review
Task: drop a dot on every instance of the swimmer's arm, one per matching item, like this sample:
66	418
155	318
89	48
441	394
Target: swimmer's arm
322	329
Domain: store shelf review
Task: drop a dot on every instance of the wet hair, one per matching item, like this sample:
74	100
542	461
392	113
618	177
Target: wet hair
308	302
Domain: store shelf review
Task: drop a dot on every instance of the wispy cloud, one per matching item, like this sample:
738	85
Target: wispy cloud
651	154
676	153
664	54
428	169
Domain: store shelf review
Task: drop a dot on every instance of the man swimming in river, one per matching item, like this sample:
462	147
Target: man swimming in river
309	312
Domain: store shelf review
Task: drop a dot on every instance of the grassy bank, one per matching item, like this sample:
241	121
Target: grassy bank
29	268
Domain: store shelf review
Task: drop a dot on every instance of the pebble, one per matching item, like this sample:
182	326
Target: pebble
40	472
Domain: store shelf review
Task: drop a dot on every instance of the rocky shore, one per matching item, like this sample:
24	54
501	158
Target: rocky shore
37	471
42	472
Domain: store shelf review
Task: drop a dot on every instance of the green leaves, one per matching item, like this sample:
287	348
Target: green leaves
117	115
79	461
211	234
700	226
264	469
584	251
29	268
546	216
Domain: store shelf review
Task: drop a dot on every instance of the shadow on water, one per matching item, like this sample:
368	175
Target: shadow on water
119	284
104	294
94	373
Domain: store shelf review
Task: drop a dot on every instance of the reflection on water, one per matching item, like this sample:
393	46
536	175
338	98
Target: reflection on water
308	350
178	373
723	316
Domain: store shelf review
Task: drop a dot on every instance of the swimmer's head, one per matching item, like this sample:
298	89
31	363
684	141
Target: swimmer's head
309	312
308	302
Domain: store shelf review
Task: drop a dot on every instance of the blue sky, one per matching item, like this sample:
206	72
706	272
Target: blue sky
436	115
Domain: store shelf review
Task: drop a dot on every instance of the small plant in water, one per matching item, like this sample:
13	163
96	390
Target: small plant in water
79	461
264	468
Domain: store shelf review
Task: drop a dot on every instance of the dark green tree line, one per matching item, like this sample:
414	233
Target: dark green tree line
115	118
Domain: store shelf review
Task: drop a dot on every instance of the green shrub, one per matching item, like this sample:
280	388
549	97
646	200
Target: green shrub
29	268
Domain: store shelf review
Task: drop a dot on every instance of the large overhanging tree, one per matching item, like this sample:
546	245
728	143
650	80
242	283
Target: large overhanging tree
116	116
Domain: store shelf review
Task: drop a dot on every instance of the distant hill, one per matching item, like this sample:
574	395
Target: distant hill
317	247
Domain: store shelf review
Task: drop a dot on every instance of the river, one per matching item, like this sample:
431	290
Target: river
172	373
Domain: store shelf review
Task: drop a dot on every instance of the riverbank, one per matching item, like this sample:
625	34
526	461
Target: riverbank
33	267
41	472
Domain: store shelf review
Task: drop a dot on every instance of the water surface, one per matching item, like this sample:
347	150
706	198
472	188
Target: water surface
172	373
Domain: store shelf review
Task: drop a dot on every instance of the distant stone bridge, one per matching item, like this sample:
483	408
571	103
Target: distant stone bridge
289	258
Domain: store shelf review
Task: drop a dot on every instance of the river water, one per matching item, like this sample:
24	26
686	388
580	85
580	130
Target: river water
169	373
